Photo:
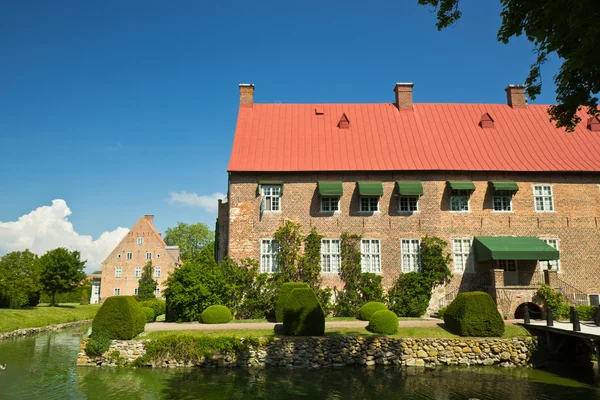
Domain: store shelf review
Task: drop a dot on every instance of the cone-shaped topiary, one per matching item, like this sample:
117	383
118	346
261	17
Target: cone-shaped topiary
384	322
284	292
369	308
303	314
120	317
215	315
474	314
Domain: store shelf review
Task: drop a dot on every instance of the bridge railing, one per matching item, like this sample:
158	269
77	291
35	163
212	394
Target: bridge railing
573	295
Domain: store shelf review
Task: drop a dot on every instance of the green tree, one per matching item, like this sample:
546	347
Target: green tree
289	240
191	239
62	271
310	262
19	278
147	284
568	28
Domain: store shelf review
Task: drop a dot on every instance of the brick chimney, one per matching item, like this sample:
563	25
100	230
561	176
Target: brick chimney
404	95
149	218
246	94
515	96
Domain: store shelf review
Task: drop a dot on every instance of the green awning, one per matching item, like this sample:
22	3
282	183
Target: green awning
330	188
461	185
406	188
513	248
370	188
508	186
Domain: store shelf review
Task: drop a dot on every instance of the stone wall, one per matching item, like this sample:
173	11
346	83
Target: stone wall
41	329
340	351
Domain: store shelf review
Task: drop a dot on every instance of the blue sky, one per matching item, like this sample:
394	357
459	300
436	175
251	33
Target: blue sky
113	105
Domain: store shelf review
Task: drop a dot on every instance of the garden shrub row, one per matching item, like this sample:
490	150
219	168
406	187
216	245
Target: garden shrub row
74	296
474	314
150	316
216	314
158	306
120	317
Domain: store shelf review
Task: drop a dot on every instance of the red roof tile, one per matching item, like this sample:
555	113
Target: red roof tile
292	137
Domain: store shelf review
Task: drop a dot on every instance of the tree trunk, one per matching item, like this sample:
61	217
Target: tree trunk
53	304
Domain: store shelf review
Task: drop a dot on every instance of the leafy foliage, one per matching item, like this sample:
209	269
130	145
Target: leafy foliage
120	317
19	278
586	313
75	295
85	295
158	306
62	271
474	314
552	298
303	315
191	239
310	262
150	315
284	294
384	322
369	308
147	284
216	315
260	297
289	240
98	344
568	28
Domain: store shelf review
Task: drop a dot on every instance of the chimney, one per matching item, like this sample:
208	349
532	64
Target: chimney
515	96
404	95
246	94
149	218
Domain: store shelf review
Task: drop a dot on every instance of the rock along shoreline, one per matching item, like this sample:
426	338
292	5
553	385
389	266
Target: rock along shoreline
42	329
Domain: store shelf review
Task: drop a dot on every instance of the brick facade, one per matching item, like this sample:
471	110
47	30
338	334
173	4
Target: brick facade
163	256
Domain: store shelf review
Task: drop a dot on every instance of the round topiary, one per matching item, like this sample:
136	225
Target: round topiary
284	292
150	316
384	322
215	315
369	308
159	306
120	317
303	314
474	314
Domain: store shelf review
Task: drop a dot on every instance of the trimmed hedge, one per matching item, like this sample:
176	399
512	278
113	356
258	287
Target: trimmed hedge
586	313
303	314
150	316
474	314
120	317
369	308
216	315
159	306
384	322
284	292
74	296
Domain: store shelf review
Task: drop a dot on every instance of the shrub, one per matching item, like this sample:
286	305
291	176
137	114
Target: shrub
150	316
158	306
586	313
384	322
369	308
74	296
441	312
284	293
85	296
98	344
552	298
303	315
120	317
474	314
216	315
410	295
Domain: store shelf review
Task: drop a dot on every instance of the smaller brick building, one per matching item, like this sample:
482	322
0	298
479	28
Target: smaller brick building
123	267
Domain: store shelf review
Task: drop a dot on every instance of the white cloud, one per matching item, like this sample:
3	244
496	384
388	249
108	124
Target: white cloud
48	227
208	203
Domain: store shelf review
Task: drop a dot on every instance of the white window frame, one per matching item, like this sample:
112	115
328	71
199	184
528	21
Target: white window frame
370	259
117	291
410	256
129	256
459	195
467	264
118	272
545	264
138	272
148	255
331	260
502	196
370	204
543	196
408	200
330	202
136	291
140	241
271	196
156	272
269	260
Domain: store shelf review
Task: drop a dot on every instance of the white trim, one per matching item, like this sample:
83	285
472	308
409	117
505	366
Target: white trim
551	197
470	262
557	240
117	291
494	201
118	272
329	211
330	254
376	269
136	272
468	210
156	272
368	197
408	211
409	254
140	241
273	265
270	196
150	253
129	256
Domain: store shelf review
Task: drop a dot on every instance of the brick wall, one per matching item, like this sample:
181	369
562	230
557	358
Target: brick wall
574	222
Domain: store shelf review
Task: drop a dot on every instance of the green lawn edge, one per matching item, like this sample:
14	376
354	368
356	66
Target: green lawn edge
43	315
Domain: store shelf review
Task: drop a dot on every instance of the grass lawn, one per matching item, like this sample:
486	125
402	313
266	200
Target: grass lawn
328	319
43	315
415	332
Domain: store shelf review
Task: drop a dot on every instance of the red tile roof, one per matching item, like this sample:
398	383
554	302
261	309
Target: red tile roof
293	137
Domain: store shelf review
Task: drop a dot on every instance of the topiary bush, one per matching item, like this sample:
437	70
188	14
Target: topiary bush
384	322
159	306
474	314
215	315
120	317
284	292
303	314
369	308
150	316
98	344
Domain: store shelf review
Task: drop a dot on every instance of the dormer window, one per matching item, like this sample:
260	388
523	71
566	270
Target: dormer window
271	192
486	122
593	124
344	122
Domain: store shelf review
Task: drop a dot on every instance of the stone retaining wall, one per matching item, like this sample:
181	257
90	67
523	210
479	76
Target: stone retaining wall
49	328
340	351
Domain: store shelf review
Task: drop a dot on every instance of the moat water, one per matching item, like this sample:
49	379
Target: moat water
43	367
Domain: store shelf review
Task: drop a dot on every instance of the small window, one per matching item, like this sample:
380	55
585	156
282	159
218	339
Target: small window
408	203
542	195
140	241
118	256
157	272
330	204
269	251
149	255
330	255
463	255
594	300
503	200
371	255
136	291
118	272
138	272
158	256
271	198
117	291
459	200
411	255
369	204
129	256
552	265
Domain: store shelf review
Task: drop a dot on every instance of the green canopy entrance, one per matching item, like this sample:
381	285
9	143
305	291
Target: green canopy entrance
513	248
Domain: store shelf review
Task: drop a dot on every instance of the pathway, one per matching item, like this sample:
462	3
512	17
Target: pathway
588	329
